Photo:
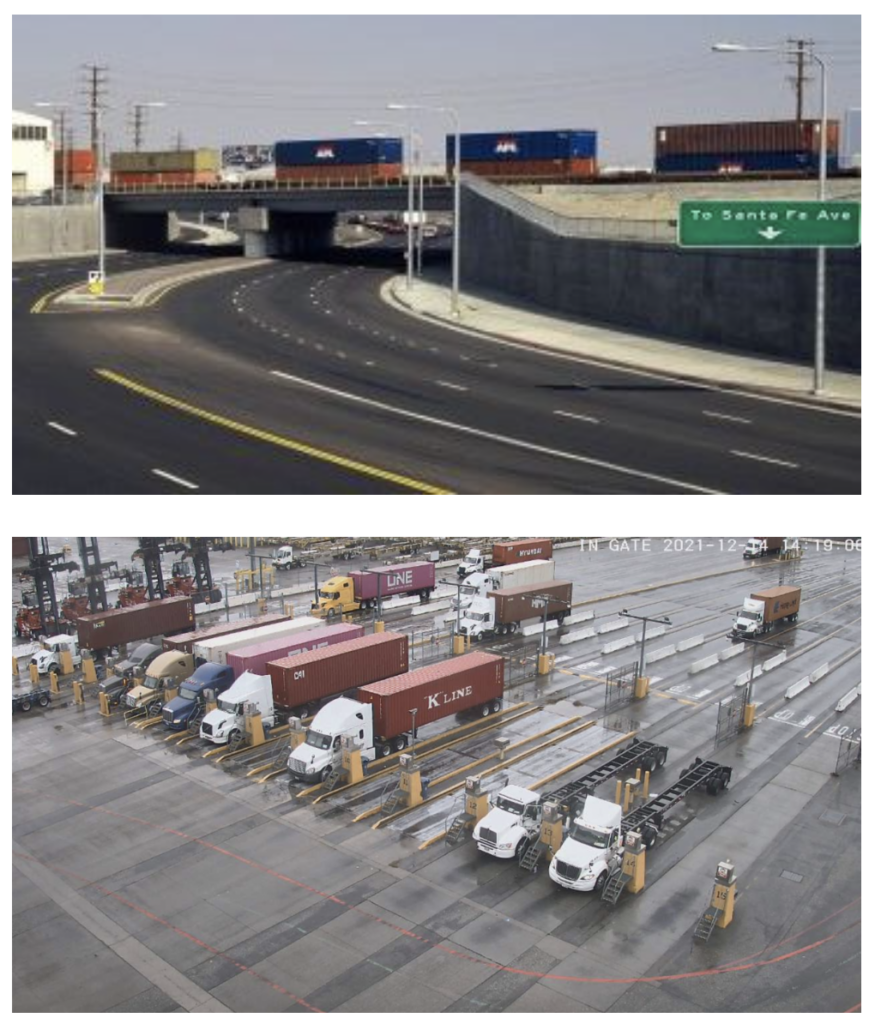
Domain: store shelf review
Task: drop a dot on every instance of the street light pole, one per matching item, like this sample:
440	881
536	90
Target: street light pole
820	275
754	644
421	218
101	216
644	619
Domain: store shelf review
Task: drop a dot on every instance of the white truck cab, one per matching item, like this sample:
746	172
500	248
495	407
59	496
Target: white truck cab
48	657
749	621
312	760
478	582
591	848
512	823
285	558
226	722
472	562
479	617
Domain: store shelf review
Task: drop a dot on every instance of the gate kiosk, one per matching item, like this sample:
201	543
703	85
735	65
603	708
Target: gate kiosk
722	909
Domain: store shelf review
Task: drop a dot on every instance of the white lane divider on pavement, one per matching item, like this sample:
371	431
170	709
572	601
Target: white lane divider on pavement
176	479
575	416
724	416
503	439
449	384
60	427
764	458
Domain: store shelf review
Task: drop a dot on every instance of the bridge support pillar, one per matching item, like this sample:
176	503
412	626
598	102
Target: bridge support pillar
269	232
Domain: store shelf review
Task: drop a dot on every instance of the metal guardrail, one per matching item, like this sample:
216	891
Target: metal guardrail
270	185
572	227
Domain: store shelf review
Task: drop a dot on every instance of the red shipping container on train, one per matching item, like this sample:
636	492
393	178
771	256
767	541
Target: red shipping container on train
434	691
340	172
745	137
510	551
256	658
580	167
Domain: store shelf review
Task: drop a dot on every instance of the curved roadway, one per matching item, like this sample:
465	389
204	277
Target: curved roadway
298	378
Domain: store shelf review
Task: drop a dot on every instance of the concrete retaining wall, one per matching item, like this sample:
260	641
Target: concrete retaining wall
738	299
39	232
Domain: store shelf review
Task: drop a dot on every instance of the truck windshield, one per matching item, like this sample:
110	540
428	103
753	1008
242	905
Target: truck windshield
589	837
505	803
318	740
478	616
329	595
230	707
187	693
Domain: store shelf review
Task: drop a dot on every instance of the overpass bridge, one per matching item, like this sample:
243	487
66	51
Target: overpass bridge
274	217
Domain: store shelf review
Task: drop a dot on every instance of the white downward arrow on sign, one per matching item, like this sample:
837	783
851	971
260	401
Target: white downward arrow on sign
770	234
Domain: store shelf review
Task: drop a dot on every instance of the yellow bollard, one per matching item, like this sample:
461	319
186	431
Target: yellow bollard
33	671
642	687
104	705
66	663
749	712
544	664
458	644
53	682
14	666
618	793
289	609
645	793
78	692
627	799
89	670
379	626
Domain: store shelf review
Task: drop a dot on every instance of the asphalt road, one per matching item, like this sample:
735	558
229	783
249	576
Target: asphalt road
310	355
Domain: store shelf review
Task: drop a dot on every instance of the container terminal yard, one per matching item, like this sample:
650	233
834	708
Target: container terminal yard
552	774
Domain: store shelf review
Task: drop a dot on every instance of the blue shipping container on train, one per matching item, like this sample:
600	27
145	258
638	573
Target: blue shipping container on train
510	146
742	163
332	152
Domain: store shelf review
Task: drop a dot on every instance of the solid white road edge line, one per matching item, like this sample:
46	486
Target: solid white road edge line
500	439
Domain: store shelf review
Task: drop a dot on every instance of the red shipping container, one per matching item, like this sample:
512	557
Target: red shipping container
435	691
511	551
409	578
255	658
514	604
584	167
139	621
186	641
345	172
329	671
745	137
78	161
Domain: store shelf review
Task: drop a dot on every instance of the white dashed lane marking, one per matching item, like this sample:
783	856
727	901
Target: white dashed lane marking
62	429
764	458
176	479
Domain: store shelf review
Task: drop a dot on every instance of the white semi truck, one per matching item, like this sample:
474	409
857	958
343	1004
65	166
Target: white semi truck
48	657
480	583
225	723
507	609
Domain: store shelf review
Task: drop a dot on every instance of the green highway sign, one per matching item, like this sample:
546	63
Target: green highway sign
751	224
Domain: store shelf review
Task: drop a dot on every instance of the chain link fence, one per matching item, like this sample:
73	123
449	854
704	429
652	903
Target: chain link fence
850	751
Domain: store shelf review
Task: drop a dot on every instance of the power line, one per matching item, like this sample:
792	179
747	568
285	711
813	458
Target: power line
95	85
799	79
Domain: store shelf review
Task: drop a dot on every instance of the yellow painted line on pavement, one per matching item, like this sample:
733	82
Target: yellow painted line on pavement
363	468
40	303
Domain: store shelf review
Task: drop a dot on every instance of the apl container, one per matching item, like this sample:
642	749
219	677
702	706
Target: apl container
332	152
186	641
510	551
137	622
313	677
510	147
255	658
464	682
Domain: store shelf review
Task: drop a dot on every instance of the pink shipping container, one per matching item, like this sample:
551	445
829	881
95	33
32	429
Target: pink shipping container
435	691
310	678
255	658
410	578
186	641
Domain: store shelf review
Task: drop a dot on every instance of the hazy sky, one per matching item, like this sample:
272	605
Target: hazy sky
262	78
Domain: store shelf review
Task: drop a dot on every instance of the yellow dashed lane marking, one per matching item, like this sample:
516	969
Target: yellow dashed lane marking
268	437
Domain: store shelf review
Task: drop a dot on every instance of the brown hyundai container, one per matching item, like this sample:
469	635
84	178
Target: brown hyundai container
186	641
138	622
745	137
313	676
511	551
513	604
465	682
779	602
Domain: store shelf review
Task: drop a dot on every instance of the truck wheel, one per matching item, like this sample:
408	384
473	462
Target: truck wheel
400	743
54	668
649	764
43	700
326	771
660	758
485	711
560	619
713	787
521	847
496	706
649	838
25	704
600	881
384	749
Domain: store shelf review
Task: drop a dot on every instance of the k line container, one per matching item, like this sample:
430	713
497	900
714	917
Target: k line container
328	152
186	641
435	691
779	602
407	578
218	648
255	658
139	621
514	604
330	671
510	551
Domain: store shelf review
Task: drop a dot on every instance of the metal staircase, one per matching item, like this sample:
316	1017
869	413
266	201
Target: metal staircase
333	778
531	857
614	887
706	924
457	830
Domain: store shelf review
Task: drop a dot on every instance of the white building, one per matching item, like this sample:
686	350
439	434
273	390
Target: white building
33	156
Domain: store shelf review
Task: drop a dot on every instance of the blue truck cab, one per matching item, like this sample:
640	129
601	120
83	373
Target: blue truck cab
191	697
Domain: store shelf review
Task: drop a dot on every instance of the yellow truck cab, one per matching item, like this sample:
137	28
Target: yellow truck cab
336	596
167	671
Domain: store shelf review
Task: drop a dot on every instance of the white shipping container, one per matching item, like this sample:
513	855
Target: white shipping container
218	648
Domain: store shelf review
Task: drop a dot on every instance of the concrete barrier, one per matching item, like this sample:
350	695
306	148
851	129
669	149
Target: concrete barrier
819	673
702	664
731	652
663	652
616	645
434	606
581	634
849	698
539	628
774	662
652	632
797	688
693	641
610	626
745	676
579	617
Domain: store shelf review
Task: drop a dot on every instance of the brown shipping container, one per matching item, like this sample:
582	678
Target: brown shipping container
435	691
584	167
773	543
744	137
347	172
138	622
511	551
513	604
20	547
329	671
779	601
164	178
187	160
186	641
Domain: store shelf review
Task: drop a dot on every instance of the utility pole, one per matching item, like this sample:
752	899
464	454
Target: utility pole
178	142
95	85
642	687
138	125
798	79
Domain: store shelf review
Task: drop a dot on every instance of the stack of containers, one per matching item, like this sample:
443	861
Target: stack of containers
540	154
79	165
172	167
338	159
744	147
256	658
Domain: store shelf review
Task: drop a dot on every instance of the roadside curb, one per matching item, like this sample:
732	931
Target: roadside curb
390	295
